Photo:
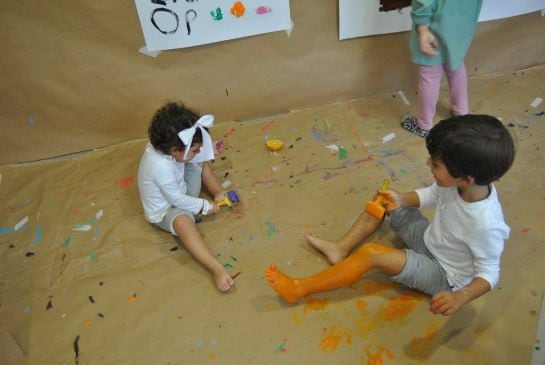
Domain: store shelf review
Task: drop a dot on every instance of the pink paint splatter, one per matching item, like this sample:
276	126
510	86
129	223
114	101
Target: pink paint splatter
263	10
526	229
125	182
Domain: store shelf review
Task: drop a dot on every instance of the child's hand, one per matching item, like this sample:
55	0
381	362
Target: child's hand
392	199
220	196
427	41
446	302
214	207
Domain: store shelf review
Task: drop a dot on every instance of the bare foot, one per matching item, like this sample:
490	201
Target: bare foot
328	248
287	287
223	280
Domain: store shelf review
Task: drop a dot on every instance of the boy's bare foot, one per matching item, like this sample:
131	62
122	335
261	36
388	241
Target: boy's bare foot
287	287
223	280
328	248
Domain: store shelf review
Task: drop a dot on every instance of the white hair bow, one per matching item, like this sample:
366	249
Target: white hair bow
207	151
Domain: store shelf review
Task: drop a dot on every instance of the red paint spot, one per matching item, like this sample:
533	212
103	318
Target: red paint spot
125	182
74	211
267	126
526	229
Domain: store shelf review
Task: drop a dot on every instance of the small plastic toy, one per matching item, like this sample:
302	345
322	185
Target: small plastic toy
274	144
231	198
376	207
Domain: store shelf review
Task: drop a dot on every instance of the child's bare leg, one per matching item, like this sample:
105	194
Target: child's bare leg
193	242
345	273
335	251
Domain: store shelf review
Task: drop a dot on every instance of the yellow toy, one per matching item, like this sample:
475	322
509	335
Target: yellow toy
376	207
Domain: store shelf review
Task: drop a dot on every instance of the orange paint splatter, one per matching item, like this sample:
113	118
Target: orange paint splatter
526	229
87	322
372	287
132	298
238	9
334	336
316	304
376	359
74	211
213	356
399	307
267	125
125	182
361	304
229	132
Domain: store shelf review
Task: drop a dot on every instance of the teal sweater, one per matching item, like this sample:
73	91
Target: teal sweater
453	23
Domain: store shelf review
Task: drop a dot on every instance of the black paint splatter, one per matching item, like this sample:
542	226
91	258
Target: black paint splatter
76	349
100	315
91	299
175	248
49	305
29	254
101	283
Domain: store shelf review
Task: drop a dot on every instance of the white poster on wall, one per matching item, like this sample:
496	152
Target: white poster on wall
359	18
169	24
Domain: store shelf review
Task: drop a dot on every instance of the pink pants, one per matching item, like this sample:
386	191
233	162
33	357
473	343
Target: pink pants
428	92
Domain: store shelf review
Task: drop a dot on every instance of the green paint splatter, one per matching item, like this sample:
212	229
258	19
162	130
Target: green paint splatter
93	256
68	240
343	153
216	15
271	229
228	265
279	347
234	258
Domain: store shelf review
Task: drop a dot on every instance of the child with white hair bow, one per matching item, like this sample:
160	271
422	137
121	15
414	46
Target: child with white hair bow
173	167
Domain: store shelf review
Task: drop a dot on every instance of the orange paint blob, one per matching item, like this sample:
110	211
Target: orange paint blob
376	359
361	304
399	307
334	336
87	322
238	9
132	299
316	304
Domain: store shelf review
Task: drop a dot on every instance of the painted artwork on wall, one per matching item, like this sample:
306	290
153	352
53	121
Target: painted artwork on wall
359	18
169	24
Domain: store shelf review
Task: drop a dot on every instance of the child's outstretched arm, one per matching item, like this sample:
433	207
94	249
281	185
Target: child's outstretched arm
397	200
447	303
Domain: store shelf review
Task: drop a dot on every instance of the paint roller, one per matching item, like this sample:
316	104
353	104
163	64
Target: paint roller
231	198
376	207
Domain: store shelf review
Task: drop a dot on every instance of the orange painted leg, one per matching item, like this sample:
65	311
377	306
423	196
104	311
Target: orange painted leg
344	273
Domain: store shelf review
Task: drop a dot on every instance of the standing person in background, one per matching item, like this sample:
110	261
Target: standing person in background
441	35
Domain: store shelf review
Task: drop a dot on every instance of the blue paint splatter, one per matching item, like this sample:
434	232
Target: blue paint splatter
31	121
38	236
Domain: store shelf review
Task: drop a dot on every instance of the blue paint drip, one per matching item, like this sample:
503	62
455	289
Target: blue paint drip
38	236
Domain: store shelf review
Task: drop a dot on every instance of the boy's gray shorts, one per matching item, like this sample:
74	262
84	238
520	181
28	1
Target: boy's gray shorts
421	271
193	179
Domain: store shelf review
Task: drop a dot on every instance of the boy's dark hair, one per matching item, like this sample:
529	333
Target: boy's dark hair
472	145
167	122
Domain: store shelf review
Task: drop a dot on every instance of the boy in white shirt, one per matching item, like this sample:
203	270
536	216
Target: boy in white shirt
172	168
456	258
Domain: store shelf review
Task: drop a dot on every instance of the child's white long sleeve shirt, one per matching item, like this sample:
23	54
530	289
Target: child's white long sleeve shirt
161	184
467	239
